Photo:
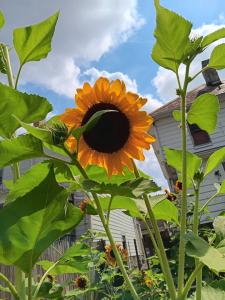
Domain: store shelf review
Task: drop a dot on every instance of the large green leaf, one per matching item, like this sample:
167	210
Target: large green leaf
172	37
214	160
28	108
204	111
134	188
217	58
2	19
20	148
166	211
33	43
209	293
174	159
212	37
100	175
31	223
198	248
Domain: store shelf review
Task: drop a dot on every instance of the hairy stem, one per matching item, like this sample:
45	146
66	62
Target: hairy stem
195	231
10	286
190	280
110	237
183	214
19	275
163	257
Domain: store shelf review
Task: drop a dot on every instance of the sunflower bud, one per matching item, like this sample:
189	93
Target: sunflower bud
59	133
84	204
170	196
117	280
178	186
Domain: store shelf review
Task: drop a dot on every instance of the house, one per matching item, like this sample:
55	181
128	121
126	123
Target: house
125	230
199	142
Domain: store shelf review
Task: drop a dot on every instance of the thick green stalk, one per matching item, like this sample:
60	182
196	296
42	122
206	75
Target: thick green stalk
163	259
19	275
110	237
29	286
10	286
195	231
183	215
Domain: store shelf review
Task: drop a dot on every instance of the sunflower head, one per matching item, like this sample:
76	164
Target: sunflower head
148	281
110	255
178	186
120	134
84	204
117	280
170	196
81	282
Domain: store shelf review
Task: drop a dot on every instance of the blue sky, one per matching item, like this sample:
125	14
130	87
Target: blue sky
112	38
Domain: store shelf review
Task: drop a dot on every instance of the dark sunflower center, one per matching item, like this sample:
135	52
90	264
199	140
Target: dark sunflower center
112	254
111	131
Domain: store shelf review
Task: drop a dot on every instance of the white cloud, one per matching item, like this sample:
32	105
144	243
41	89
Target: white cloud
151	166
85	31
165	80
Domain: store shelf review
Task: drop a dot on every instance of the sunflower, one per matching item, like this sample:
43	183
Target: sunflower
119	135
110	256
81	282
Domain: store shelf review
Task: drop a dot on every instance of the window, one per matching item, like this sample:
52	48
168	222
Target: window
124	242
199	136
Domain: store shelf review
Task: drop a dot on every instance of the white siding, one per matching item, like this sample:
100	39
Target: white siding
169	134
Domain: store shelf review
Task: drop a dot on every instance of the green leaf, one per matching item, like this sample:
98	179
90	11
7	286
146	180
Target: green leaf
172	36
174	159
218	284
220	188
134	188
77	132
217	58
2	19
177	115
212	37
32	43
100	175
31	223
166	211
49	291
219	226
214	160
74	260
21	148
198	248
28	108
204	111
30	180
2	60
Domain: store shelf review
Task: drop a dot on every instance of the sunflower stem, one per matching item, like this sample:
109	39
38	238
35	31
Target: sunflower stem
163	260
183	215
19	275
108	212
110	237
10	286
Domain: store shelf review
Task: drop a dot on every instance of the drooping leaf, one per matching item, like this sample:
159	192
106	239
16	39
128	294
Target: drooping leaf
2	19
217	58
198	248
212	37
177	115
49	291
172	36
32	43
31	223
40	133
28	108
77	132
204	111
20	148
174	159
214	160
134	188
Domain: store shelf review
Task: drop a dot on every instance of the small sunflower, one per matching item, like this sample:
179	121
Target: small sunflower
178	186
170	196
119	136
81	282
148	281
110	256
83	204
